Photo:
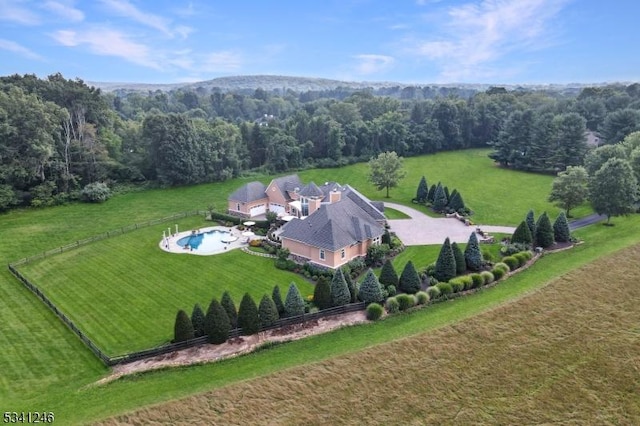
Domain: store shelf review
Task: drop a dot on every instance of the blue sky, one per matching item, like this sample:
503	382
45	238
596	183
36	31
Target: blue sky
411	41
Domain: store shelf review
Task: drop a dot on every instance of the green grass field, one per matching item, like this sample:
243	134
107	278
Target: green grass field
46	367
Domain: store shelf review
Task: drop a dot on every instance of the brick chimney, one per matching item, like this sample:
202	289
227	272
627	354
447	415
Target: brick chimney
334	196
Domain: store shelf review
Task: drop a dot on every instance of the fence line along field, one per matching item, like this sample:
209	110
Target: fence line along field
568	353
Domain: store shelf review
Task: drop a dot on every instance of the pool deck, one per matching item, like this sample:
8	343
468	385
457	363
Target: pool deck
171	244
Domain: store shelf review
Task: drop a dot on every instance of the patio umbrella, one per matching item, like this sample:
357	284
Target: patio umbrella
288	218
249	223
248	234
228	239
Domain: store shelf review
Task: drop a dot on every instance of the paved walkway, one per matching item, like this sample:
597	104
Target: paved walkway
421	229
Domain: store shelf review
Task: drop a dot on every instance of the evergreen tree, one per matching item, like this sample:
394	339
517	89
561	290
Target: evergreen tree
339	290
277	299
531	223
423	190
197	320
370	289
461	264
439	198
388	275
472	254
522	234
294	303
446	263
322	293
216	323
544	231
230	309
248	319
446	194
183	329
353	288
432	193
267	312
409	279
561	231
386	238
456	203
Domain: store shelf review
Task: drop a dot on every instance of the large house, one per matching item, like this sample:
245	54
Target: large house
328	225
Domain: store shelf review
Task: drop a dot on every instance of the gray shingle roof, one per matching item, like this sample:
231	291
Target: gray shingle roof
363	202
334	226
311	191
288	184
250	192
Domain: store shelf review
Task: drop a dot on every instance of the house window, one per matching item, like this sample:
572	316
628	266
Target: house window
321	254
238	206
376	240
304	204
343	254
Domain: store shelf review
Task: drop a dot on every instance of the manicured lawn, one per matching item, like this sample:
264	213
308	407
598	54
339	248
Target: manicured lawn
124	292
394	214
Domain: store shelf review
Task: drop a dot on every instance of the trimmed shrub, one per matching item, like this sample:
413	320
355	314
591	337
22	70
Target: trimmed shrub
340	294
472	254
501	265
488	277
374	311
182	329
405	301
388	275
267	312
498	273
322	293
461	264
512	262
294	303
391	291
522	258
216	323
544	231
392	306
277	299
370	289
230	309
477	279
561	231
467	281
456	285
444	288
422	298
248	319
509	249
433	292
197	320
522	234
446	263
409	279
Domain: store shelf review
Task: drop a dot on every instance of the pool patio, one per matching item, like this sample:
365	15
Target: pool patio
170	243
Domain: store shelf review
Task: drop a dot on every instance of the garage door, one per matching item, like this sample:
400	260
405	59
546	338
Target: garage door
277	208
258	210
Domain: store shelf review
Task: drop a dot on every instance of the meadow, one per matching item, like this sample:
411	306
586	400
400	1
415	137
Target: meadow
46	367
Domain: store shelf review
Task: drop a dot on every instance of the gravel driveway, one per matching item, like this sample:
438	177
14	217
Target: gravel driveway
421	229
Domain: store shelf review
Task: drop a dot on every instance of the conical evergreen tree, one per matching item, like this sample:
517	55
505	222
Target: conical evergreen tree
353	287
277	299
197	320
248	319
439	198
293	303
446	263
216	323
370	289
456	203
432	193
446	193
409	279
561	230
183	329
544	231
388	275
339	290
531	223
230	308
472	254
522	234
267	312
423	190
461	263
322	293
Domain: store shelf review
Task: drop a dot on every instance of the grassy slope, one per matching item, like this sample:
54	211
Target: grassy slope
45	366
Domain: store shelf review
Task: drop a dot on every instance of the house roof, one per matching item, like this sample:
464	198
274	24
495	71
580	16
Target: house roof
374	210
311	191
287	184
334	226
252	191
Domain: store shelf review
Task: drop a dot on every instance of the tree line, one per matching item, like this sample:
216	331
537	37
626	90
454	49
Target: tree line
58	135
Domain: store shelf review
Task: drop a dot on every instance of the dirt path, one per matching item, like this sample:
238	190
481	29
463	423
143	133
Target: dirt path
236	346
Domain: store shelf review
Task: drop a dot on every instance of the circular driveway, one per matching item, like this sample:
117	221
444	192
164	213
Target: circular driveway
421	229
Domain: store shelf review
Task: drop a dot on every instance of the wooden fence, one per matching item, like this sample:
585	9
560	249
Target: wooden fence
160	350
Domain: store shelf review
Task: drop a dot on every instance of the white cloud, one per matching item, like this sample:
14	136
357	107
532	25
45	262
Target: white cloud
477	35
128	10
372	64
221	61
17	11
108	42
14	47
64	9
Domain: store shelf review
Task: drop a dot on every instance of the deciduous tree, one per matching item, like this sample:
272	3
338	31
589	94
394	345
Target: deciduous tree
569	189
386	171
613	189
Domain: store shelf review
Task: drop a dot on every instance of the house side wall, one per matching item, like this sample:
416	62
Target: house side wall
276	196
245	208
333	259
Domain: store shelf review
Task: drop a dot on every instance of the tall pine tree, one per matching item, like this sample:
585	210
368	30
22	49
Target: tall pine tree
216	323
522	234
461	264
248	319
472	254
544	231
293	303
561	231
267	312
322	293
423	191
388	275
277	299
340	294
197	320
446	263
409	279
230	309
183	329
440	200
531	223
370	289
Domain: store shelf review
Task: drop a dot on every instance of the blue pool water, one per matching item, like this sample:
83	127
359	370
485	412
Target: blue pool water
204	242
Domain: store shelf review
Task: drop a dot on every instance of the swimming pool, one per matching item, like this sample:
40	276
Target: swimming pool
205	242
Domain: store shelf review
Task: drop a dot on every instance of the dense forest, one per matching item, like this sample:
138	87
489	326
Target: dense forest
62	140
